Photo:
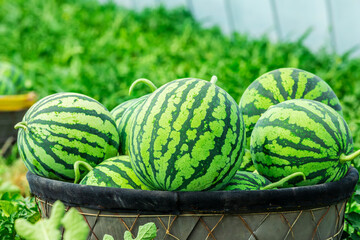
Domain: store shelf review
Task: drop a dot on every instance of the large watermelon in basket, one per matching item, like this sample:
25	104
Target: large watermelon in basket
188	135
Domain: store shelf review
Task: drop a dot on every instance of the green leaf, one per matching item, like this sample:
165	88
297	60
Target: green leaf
10	196
7	208
75	226
356	198
57	213
42	230
45	229
128	236
354	236
34	217
147	232
354	219
108	237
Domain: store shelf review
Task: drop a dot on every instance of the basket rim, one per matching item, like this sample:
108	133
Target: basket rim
152	202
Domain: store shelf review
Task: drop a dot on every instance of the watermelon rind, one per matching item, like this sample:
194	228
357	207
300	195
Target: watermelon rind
280	85
63	128
114	172
188	135
301	136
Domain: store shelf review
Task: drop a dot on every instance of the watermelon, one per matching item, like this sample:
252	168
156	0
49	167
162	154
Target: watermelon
7	87
280	85
188	135
302	135
124	112
14	74
124	124
246	163
114	172
63	128
244	180
119	110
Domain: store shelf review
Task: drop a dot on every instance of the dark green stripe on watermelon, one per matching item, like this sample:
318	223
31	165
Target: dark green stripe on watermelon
64	128
246	163
281	85
187	136
58	99
114	172
124	124
119	110
301	136
244	180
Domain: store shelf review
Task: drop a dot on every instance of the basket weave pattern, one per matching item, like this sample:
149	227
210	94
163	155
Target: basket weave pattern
321	223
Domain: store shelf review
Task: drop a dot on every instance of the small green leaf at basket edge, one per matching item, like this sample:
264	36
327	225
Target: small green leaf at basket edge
147	232
75	226
127	236
45	229
109	237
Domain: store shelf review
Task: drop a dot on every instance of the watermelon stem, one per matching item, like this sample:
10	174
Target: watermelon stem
281	182
142	80
214	79
22	125
77	165
345	158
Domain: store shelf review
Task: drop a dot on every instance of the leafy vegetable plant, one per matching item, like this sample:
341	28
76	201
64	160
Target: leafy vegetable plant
352	217
72	222
46	229
146	232
14	206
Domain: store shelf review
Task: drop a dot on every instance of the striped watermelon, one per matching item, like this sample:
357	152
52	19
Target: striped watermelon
63	128
119	110
188	135
114	172
302	136
244	180
7	87
124	113
246	163
281	85
124	120
14	74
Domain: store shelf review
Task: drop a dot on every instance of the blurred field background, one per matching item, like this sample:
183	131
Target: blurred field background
99	49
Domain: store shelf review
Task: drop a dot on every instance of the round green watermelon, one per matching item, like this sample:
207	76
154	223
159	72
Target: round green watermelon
120	109
244	180
188	135
7	87
246	163
124	116
15	75
63	128
114	172
302	136
280	85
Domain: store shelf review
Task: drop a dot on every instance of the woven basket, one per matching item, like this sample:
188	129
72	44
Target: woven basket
12	110
311	212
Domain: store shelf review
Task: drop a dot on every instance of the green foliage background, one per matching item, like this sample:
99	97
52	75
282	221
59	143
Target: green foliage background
100	49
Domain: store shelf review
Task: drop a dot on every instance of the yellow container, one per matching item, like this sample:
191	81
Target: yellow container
10	103
12	110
